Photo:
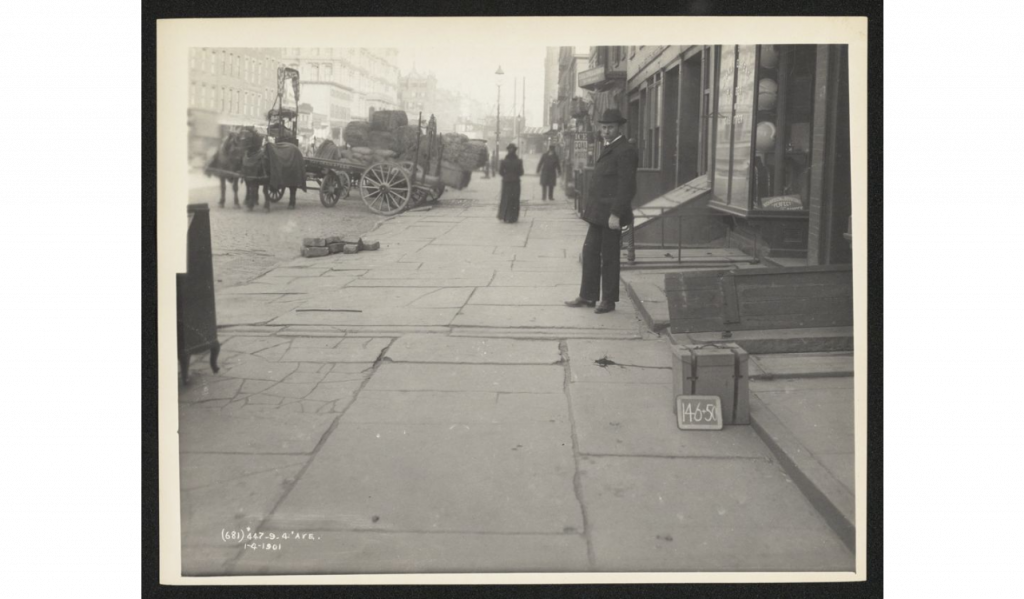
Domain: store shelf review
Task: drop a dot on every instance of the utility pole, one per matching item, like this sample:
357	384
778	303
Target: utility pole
515	96
524	109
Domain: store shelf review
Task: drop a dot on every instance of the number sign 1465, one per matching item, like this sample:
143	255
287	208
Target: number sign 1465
699	412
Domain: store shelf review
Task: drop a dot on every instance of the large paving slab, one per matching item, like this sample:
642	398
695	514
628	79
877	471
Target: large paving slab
494	264
251	309
535	279
206	431
797	386
841	466
308	270
444	298
448	254
325	283
568	243
361	298
200	470
524	296
806	397
554	317
710	515
347	350
441	275
374	552
233	504
251	345
457	407
824	364
201	391
821	427
467	377
426	230
556	229
454	239
456	478
634	361
246	366
477	281
207	560
544	333
443	348
524	253
559	265
394	316
640	420
264	289
349	270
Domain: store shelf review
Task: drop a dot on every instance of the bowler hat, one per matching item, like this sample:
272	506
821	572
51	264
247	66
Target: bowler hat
511	147
612	115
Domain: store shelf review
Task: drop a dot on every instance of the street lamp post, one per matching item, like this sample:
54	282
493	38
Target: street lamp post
497	127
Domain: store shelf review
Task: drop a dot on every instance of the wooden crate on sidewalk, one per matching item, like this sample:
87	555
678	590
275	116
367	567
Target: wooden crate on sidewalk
718	369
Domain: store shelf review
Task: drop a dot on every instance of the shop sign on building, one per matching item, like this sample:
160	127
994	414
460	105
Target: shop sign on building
579	152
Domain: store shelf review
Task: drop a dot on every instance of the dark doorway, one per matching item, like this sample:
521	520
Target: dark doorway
669	130
689	121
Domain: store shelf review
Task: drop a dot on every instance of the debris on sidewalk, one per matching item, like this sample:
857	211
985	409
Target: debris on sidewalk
314	247
315	252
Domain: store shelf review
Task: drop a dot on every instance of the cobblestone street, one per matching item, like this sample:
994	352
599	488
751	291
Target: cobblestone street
247	244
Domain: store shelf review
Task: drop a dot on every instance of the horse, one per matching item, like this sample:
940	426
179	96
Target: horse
229	158
263	161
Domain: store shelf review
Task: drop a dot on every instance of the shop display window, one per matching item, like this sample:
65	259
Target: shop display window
764	122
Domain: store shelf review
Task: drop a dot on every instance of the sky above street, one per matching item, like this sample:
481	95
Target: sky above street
470	71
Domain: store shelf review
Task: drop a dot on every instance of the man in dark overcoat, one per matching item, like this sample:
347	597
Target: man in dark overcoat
549	169
609	208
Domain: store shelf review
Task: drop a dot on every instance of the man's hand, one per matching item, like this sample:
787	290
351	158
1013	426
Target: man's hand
613	222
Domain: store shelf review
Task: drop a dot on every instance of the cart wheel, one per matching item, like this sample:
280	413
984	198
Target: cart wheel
335	186
272	193
385	188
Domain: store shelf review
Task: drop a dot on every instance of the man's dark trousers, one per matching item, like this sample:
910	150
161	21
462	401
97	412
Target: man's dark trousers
601	264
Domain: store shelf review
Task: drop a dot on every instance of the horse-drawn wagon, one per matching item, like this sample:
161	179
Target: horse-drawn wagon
387	185
411	172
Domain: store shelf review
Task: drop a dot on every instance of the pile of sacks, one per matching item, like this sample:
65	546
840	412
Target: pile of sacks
314	247
389	136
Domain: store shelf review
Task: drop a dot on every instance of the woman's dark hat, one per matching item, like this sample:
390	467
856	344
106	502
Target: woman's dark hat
511	147
613	116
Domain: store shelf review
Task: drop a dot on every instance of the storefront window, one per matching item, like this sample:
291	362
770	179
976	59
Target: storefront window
724	118
783	136
762	148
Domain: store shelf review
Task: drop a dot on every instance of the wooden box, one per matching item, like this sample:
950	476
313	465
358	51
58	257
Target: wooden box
714	369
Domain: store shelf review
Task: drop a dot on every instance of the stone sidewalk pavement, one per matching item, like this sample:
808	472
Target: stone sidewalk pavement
432	407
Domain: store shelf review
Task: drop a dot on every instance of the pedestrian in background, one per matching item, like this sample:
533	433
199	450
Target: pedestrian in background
609	208
549	169
510	169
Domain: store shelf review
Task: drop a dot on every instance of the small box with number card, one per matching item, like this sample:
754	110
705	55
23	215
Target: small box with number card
699	412
714	369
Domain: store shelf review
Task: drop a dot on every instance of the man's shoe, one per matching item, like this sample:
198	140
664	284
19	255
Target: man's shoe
604	307
579	303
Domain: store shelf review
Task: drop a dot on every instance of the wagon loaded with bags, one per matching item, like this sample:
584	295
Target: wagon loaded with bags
397	166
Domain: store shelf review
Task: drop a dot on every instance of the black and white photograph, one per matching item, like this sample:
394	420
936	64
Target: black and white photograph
468	297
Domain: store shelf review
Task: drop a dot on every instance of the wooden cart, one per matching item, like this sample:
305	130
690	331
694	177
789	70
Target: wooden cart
387	186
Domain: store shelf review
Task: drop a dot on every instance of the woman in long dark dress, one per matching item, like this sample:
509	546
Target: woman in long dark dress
510	169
